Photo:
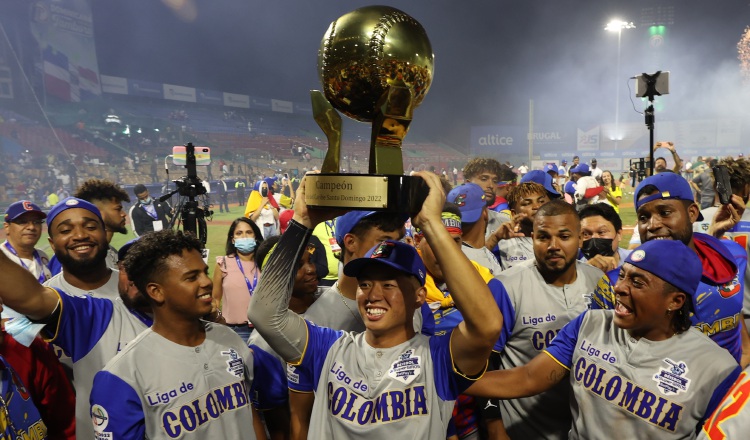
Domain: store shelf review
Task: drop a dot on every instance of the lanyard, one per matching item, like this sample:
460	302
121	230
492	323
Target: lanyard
330	228
42	277
250	287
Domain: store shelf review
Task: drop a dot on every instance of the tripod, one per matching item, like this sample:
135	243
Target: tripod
189	213
191	216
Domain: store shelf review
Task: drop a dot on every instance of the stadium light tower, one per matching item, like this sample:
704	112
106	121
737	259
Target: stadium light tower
618	26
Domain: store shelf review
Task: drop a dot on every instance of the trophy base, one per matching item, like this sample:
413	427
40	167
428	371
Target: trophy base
366	192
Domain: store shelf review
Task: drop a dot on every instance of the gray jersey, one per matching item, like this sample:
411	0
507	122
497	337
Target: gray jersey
162	390
483	257
732	419
406	391
514	251
92	331
540	310
108	290
494	220
112	258
637	388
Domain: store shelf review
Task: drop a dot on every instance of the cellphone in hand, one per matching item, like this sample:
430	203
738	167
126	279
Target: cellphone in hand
723	185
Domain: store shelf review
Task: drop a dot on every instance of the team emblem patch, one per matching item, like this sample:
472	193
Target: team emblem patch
730	289
672	380
704	227
406	368
71	202
383	250
100	419
235	364
638	255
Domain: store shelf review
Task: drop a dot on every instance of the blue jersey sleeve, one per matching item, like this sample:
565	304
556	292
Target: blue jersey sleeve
506	308
116	408
449	382
561	348
428	320
307	371
719	393
54	265
83	320
269	388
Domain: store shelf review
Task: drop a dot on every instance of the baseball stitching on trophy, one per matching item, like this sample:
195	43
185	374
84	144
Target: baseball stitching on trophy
327	47
377	41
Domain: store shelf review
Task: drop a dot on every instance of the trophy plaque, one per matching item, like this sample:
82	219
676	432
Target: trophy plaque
375	65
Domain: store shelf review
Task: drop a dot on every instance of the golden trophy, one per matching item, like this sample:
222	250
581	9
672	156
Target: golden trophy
375	65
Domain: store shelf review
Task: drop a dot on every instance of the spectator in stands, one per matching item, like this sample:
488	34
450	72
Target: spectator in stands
23	229
148	214
108	197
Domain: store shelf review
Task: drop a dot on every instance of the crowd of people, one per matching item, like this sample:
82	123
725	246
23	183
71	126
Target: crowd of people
504	308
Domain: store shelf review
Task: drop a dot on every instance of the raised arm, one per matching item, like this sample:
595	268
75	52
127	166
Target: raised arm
540	374
473	339
21	292
269	312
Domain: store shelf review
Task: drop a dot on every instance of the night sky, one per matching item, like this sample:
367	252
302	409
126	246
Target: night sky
492	57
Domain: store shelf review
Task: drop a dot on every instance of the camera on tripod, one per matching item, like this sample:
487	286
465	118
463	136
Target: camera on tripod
190	188
639	168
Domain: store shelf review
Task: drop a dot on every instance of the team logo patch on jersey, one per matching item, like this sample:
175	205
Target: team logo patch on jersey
638	255
406	368
235	364
100	419
672	380
730	289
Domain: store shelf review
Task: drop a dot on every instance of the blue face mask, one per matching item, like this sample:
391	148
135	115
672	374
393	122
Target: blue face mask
147	201
245	245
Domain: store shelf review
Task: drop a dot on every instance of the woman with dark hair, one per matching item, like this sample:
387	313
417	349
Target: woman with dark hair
612	191
236	275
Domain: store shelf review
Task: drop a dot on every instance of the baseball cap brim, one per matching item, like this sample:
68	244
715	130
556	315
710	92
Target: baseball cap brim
593	192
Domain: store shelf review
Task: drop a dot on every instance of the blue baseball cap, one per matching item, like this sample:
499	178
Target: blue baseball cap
345	223
20	208
543	179
671	261
470	199
398	255
70	203
669	185
582	169
125	248
551	168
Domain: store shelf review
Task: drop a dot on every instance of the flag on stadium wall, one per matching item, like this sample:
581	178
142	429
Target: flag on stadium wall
68	81
56	73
